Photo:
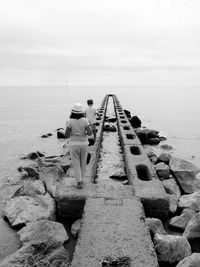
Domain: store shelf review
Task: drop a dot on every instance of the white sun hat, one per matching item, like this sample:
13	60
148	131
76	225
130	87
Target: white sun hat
77	108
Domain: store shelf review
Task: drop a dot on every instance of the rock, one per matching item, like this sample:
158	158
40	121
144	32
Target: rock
33	155
153	157
192	229
163	138
155	226
185	173
9	241
190	261
108	127
173	203
135	122
38	255
76	227
171	187
170	248
43	231
146	134
154	141
162	170
166	147
30	188
60	134
128	113
164	157
91	141
46	135
120	176
182	220
191	201
31	169
24	209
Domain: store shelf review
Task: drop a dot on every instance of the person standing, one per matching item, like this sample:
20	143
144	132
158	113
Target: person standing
77	129
90	113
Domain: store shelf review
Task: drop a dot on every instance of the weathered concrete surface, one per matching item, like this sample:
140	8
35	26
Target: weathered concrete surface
115	228
70	200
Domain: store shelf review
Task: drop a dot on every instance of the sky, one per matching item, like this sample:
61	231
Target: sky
100	42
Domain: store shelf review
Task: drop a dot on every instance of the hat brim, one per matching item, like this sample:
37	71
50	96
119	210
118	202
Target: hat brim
77	112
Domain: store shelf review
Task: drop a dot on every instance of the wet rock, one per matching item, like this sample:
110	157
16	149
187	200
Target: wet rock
60	134
182	220
146	134
76	227
38	255
135	122
162	170
108	127
173	203
43	231
163	138
164	157
171	249
30	188
24	209
31	169
155	226
185	173
128	113
46	135
33	155
171	187
9	241
191	201
190	261
166	147
192	229
154	141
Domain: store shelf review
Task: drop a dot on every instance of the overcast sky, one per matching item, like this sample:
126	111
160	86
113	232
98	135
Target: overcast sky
100	42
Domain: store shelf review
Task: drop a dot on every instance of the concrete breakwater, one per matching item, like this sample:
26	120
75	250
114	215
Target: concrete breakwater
114	219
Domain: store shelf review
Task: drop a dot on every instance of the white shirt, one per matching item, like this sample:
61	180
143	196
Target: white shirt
90	113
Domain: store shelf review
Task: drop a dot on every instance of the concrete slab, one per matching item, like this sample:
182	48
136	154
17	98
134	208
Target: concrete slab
70	200
114	227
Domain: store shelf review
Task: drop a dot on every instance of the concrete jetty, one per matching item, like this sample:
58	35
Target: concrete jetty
113	216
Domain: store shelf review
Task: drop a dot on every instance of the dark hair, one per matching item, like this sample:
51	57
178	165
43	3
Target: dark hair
90	102
76	116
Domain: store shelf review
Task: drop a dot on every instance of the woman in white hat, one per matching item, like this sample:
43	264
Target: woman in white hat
77	130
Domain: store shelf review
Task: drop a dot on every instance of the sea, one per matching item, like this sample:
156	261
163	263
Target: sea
28	112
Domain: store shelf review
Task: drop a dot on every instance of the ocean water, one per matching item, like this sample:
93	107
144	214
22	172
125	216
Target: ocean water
27	112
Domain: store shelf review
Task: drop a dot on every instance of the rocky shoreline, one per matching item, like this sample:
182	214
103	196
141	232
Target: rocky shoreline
29	207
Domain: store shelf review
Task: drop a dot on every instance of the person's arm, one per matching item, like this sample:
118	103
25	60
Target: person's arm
88	130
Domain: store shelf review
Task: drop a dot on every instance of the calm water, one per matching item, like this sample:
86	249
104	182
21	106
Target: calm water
28	112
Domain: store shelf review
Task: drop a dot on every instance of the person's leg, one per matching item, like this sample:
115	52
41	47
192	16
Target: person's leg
83	160
76	164
94	130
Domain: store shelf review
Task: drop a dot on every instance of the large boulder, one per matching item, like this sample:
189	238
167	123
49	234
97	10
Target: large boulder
31	169
155	226
190	261
38	255
9	241
171	187
182	220
24	209
135	122
60	134
164	157
109	127
43	231
192	229
171	249
148	136
185	172
191	201
30	188
162	170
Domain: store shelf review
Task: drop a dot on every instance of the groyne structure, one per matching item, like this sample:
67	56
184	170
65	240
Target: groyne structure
113	216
